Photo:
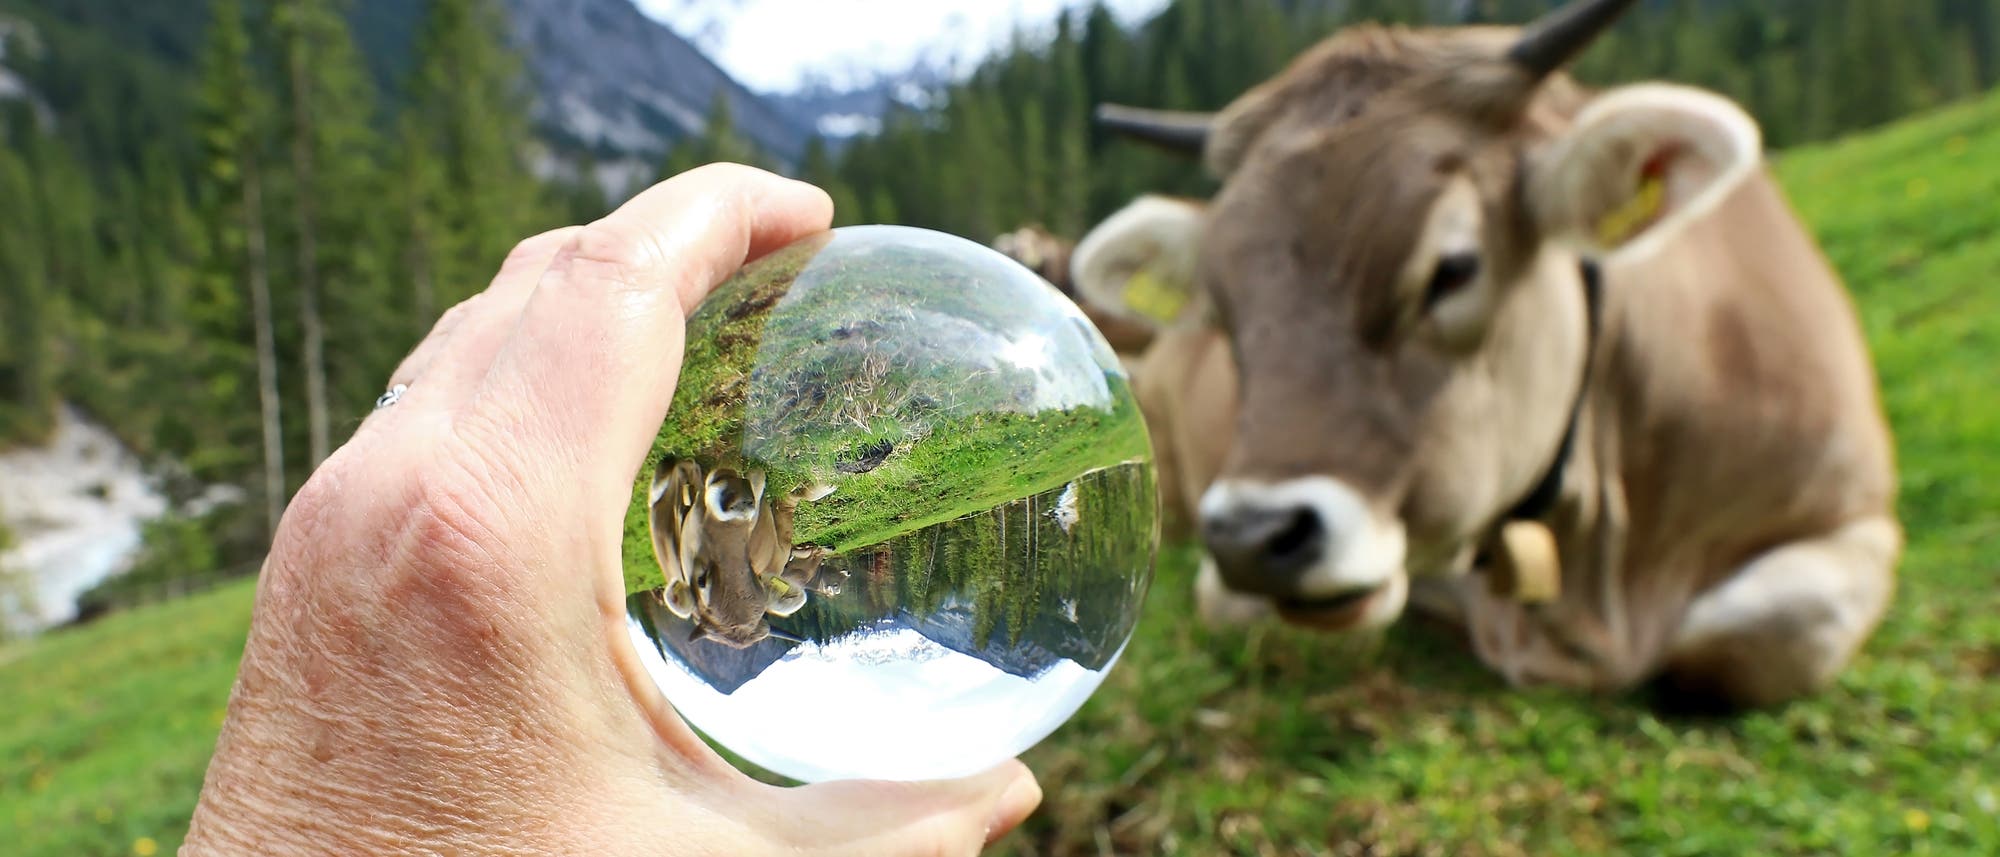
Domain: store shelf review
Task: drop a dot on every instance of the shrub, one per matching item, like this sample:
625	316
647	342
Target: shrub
179	555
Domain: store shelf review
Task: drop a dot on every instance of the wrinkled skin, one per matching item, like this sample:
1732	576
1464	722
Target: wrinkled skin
437	660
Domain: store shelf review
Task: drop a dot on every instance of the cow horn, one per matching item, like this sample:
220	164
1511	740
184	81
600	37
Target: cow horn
1174	130
1553	40
788	636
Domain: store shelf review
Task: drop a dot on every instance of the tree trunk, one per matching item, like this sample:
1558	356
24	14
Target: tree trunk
258	278
308	247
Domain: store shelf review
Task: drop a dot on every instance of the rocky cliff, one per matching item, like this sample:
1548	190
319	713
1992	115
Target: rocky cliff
611	78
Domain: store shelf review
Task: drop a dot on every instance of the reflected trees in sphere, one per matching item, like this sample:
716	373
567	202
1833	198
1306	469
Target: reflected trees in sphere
901	515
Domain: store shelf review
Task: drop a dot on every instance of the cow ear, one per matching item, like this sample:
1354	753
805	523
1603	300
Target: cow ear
678	597
1640	163
784	597
1139	263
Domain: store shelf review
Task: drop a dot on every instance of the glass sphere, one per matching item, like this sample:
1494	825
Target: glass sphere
901	516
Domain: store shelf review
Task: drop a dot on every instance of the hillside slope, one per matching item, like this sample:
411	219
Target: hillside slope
1203	743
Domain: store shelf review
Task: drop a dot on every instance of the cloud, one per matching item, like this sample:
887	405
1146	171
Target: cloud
781	45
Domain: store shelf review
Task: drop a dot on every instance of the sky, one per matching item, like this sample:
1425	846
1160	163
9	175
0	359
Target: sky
779	45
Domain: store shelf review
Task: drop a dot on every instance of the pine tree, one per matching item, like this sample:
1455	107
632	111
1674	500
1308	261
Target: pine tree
1103	47
1068	106
27	389
583	197
233	113
1979	21
1033	176
817	167
332	153
468	111
163	234
882	208
718	142
418	200
1860	91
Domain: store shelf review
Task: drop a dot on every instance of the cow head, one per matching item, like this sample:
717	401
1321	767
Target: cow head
717	539
1038	250
1395	256
1048	256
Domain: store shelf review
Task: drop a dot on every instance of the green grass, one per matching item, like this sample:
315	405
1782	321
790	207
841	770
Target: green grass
105	730
1278	742
905	500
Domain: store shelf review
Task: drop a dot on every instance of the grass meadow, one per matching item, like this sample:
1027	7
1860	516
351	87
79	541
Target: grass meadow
1276	742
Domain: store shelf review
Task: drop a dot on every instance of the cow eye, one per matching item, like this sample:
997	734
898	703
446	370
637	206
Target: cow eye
701	580
1454	272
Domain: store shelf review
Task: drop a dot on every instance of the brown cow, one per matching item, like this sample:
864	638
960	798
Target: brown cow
1039	250
727	553
1184	381
1401	259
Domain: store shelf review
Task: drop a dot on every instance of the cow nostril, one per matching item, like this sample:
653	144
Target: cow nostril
1300	535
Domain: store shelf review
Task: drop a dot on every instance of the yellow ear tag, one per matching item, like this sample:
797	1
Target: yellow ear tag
1626	220
1154	298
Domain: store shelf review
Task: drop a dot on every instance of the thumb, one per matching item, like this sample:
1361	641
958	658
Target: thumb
876	817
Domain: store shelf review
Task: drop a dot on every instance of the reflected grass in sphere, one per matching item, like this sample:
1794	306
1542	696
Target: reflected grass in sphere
901	515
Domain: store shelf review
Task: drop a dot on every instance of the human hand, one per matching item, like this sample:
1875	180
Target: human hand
438	659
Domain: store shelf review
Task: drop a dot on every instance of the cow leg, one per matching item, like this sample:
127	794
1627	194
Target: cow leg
1787	622
1531	644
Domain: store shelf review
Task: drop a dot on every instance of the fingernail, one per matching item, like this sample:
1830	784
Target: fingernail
1015	804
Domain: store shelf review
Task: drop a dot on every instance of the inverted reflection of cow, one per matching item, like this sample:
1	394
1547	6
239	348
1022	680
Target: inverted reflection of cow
727	551
1451	312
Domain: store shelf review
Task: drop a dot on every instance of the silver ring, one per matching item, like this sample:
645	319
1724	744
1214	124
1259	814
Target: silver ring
394	395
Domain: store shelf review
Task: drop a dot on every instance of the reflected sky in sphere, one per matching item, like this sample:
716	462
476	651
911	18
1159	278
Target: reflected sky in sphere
901	516
965	696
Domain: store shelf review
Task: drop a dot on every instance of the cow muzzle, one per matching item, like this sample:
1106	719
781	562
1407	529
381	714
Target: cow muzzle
1313	546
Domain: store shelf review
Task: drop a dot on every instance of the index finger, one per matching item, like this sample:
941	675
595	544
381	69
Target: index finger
584	381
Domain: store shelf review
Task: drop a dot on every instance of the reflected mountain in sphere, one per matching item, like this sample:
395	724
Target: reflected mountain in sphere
903	486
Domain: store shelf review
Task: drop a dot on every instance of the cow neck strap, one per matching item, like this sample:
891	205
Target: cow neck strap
1541	500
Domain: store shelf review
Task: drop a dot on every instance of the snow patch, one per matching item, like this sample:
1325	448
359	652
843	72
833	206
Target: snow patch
848	125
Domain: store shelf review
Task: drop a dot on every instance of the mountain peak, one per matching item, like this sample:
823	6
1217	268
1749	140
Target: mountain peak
609	78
